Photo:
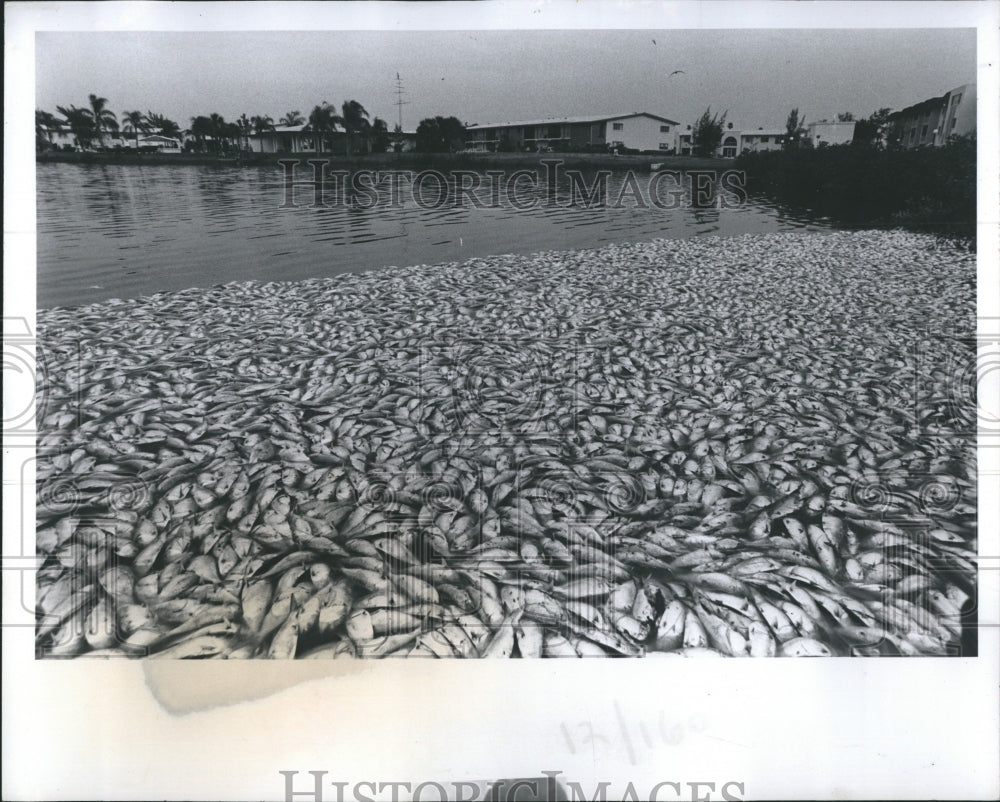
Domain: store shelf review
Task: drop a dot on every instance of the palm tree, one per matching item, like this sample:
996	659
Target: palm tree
354	118
322	120
135	122
81	124
380	135
234	133
261	124
292	118
201	127
219	130
104	118
164	125
245	127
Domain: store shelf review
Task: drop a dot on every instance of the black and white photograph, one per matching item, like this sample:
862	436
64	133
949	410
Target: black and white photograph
563	337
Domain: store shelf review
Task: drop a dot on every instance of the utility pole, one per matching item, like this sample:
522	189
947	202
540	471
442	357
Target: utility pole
399	103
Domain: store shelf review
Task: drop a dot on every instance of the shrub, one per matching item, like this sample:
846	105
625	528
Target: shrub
931	189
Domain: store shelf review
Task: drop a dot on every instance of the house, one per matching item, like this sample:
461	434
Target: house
58	135
826	132
935	120
163	144
295	139
636	131
403	141
736	141
762	139
299	139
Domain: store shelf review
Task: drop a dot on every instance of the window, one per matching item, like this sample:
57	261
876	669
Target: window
923	132
664	129
954	121
765	139
958	98
554	132
664	146
529	132
618	126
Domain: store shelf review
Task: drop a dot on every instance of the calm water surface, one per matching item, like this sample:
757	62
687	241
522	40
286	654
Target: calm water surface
122	231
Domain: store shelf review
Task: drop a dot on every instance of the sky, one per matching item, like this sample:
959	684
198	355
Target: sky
496	75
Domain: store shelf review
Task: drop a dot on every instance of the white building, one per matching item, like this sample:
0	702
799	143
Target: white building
935	120
826	132
762	139
163	144
59	135
637	131
736	140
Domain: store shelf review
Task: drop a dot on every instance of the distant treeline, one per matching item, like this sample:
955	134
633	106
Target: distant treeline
928	189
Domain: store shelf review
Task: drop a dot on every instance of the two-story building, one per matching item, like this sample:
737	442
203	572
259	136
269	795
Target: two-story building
935	120
736	141
637	131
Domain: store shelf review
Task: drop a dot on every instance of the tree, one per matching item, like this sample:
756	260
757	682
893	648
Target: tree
201	127
134	122
261	124
232	135
323	120
245	127
894	135
707	133
354	118
380	135
45	125
871	131
292	118
794	129
104	119
164	125
440	135
81	124
845	117
219	130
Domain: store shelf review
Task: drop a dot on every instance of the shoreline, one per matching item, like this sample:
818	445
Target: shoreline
959	243
388	160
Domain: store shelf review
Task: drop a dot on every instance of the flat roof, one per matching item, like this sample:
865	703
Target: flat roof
304	128
595	118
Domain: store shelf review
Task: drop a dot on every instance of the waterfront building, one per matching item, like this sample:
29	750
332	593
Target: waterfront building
824	133
736	141
299	139
933	121
636	131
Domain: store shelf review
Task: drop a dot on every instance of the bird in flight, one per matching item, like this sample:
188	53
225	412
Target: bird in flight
676	72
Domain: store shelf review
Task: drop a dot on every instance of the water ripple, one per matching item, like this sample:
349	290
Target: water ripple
122	231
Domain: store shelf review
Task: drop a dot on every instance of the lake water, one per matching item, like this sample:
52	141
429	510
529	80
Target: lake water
107	231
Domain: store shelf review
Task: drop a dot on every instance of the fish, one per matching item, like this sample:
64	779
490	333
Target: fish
395	462
805	647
